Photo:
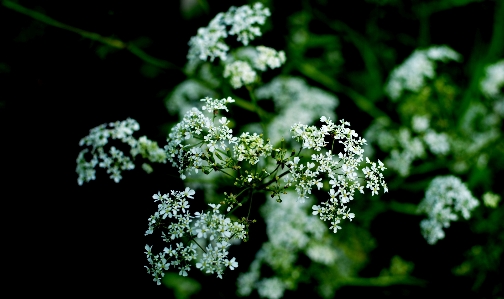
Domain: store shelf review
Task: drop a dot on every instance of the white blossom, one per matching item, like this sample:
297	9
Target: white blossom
271	288
113	159
196	128
268	57
212	226
491	199
322	253
209	42
211	105
341	169
243	20
438	143
493	82
251	147
241	73
445	199
412	73
412	148
419	123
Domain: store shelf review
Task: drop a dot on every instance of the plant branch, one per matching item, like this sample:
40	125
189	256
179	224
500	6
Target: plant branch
112	42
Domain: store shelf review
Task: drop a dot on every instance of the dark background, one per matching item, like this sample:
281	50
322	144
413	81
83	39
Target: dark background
54	87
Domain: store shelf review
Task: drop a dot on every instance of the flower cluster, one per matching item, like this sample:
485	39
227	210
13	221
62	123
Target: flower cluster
405	147
251	147
268	57
241	73
209	42
114	160
491	199
243	19
212	105
445	198
193	141
493	81
438	143
340	169
210	226
411	149
420	65
260	58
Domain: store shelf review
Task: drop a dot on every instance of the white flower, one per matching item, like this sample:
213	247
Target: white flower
183	153
268	57
241	73
341	170
491	199
493	81
209	42
232	264
445	197
189	192
419	123
321	253
251	147
271	288
437	142
411	74
243	19
185	95
214	227
114	161
211	105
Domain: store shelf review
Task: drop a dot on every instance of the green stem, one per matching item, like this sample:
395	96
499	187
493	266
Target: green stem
404	208
192	239
241	203
250	205
112	42
251	107
272	181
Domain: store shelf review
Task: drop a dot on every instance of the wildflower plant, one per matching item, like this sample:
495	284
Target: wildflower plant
199	143
313	169
205	142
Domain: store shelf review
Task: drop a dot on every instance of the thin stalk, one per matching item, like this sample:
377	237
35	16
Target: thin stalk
112	42
243	201
271	181
192	239
250	205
